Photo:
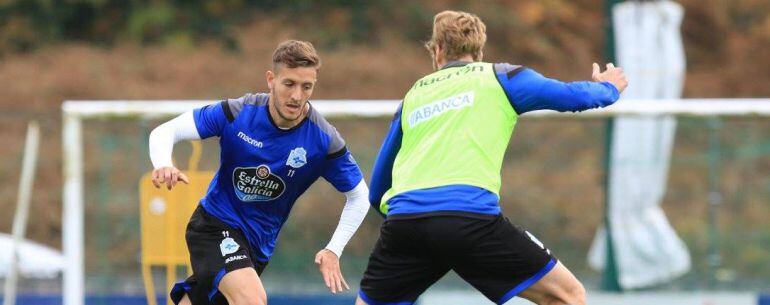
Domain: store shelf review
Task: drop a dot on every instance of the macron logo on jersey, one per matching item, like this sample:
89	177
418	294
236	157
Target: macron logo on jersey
440	107
249	140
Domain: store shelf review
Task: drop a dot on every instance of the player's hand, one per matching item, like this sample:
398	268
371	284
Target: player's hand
329	265
169	176
613	75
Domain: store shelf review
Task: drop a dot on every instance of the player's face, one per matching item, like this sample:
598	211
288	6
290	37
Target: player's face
290	89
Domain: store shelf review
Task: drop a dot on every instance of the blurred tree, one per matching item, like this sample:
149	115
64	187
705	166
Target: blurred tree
27	24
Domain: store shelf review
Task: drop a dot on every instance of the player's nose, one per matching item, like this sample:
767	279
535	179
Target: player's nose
296	95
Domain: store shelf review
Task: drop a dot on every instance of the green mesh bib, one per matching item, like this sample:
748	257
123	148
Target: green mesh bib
456	126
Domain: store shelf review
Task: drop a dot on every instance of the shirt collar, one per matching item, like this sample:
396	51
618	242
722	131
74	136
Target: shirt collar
455	64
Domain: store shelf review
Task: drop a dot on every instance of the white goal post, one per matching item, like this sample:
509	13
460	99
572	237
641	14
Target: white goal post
74	112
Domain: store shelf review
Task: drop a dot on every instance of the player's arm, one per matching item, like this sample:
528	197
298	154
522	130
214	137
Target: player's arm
162	140
341	170
528	90
353	214
196	124
382	172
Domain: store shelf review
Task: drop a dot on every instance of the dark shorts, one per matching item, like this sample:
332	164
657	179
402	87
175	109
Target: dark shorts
496	257
215	249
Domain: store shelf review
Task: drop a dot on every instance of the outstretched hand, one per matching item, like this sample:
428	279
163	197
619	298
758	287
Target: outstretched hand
613	75
169	176
329	266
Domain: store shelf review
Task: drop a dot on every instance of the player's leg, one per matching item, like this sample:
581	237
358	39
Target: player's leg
243	287
359	301
558	287
180	291
223	269
402	265
185	300
504	260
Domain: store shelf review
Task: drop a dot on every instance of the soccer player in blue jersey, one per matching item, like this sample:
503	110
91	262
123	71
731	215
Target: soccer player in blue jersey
273	147
437	176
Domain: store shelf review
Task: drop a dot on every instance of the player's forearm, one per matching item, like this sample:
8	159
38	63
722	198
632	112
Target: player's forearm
352	215
528	91
163	138
578	96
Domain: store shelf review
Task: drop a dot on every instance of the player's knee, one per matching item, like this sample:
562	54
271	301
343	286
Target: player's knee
246	301
576	294
248	298
185	300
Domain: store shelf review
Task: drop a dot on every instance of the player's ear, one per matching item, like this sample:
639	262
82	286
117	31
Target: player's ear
436	56
270	78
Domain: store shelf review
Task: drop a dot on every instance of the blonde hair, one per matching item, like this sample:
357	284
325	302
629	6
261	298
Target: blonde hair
296	53
457	34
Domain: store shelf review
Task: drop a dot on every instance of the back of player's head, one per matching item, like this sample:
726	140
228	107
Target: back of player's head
296	53
457	34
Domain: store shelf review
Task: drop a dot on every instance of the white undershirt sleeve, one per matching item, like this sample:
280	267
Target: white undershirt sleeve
163	138
356	206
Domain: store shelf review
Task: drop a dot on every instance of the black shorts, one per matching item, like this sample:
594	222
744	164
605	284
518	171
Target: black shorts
496	257
215	249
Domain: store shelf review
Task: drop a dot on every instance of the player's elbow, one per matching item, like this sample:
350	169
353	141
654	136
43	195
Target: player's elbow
164	134
153	139
158	133
375	204
375	195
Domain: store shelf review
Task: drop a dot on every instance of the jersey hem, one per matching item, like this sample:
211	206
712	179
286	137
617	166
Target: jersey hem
386	197
479	215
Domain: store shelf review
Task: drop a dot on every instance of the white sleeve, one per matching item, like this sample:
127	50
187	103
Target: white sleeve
353	214
163	138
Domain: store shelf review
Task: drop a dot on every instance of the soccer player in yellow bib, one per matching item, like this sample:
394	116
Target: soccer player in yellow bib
437	176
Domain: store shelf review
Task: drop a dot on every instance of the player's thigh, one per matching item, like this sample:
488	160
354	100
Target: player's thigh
217	252
558	286
243	287
359	301
185	300
401	266
502	259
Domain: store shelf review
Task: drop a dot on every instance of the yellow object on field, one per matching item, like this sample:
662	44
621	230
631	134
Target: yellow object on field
164	215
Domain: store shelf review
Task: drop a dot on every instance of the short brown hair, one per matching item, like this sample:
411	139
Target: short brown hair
296	53
458	34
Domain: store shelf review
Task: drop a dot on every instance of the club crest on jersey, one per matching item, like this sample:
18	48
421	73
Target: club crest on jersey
257	184
297	157
228	246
